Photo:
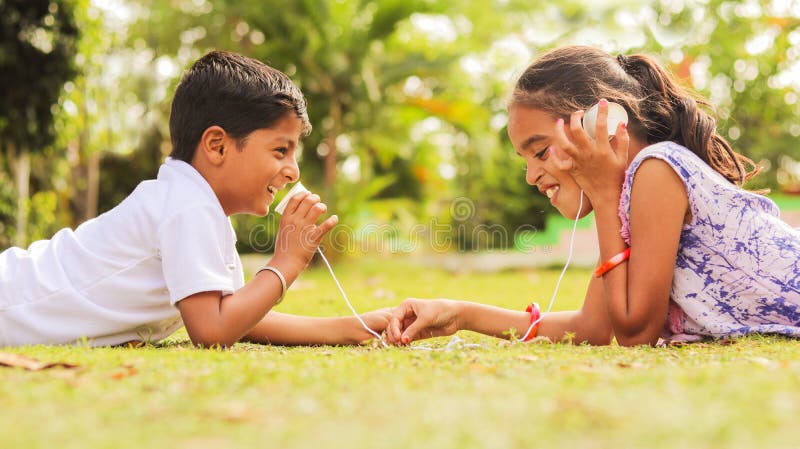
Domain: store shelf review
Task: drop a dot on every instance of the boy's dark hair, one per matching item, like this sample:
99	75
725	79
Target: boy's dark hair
237	93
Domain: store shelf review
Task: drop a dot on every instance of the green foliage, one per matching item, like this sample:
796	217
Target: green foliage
37	50
406	97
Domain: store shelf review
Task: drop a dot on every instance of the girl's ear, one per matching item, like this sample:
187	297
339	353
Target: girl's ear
212	145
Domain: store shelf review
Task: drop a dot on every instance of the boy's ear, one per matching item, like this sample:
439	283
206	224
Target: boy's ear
212	145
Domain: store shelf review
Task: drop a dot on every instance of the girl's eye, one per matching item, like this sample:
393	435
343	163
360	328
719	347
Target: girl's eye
541	154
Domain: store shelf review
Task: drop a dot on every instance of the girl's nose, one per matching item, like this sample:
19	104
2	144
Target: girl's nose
533	173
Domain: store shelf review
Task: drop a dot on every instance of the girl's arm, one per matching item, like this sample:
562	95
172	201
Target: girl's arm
638	297
416	319
637	293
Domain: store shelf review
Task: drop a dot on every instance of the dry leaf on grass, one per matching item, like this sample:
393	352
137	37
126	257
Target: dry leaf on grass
29	363
634	365
127	370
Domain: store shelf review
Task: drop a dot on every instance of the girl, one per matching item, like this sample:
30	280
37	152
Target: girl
706	258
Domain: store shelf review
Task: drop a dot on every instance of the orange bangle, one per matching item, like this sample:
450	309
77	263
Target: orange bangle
608	265
536	313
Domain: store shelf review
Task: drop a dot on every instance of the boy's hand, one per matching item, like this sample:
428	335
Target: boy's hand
377	320
299	235
416	319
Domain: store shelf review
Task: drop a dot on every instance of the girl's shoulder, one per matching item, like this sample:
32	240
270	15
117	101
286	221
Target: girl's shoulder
707	191
685	162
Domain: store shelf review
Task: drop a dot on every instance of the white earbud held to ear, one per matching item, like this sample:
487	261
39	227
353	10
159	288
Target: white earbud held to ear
616	115
297	188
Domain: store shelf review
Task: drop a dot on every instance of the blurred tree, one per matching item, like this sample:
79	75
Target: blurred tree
407	99
37	51
744	56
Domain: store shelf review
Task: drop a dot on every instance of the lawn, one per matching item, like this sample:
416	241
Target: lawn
742	394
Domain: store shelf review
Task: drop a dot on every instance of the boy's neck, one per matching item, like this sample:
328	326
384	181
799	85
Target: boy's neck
213	177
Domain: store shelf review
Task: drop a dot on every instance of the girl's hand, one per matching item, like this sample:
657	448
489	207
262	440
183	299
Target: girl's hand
299	235
598	165
416	319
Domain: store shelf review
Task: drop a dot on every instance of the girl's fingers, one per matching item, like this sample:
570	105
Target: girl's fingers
601	127
579	135
563	164
393	329
563	141
620	142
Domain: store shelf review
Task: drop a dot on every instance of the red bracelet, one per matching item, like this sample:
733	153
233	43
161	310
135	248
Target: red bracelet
608	265
536	313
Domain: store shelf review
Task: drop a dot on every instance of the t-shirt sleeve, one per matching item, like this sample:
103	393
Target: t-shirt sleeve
196	246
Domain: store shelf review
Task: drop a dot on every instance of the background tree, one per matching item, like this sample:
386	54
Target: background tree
37	51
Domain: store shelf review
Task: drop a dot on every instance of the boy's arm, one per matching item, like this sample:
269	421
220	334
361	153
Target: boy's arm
212	319
284	329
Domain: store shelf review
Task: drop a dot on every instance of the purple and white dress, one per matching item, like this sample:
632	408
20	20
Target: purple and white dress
738	265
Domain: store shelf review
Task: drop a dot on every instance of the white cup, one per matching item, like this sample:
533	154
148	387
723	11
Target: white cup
297	188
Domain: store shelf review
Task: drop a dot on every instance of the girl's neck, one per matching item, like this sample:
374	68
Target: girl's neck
634	147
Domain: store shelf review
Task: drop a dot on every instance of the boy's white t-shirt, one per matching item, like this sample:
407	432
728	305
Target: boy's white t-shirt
118	277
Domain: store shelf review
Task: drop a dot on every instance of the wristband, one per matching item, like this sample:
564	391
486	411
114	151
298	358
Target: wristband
608	265
280	277
536	314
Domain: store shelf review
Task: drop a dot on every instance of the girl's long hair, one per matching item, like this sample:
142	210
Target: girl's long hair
576	77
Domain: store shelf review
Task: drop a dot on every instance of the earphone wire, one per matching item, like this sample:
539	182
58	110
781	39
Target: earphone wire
561	276
346	300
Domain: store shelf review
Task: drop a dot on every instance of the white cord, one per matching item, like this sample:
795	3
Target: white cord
558	283
344	295
455	341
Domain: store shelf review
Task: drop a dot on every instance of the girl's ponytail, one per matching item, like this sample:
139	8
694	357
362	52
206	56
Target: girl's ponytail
669	112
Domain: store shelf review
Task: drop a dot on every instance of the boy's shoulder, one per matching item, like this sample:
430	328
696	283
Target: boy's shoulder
178	188
182	187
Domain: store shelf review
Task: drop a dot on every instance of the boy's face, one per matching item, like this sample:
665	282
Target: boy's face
264	164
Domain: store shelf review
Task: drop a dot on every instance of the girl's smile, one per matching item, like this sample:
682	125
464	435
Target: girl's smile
532	132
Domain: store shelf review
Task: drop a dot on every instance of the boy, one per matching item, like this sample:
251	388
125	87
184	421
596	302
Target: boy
165	256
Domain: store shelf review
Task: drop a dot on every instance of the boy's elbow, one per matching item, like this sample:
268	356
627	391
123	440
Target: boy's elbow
211	339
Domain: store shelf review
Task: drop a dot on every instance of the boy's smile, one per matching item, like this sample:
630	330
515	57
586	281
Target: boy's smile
251	173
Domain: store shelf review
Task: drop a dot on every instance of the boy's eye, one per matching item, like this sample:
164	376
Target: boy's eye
282	150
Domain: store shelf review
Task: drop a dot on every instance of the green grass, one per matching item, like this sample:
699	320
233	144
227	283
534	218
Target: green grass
742	395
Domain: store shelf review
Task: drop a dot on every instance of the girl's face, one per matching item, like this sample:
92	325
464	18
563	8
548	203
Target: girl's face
532	132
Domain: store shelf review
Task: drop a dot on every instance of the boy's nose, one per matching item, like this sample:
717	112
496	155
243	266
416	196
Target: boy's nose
292	171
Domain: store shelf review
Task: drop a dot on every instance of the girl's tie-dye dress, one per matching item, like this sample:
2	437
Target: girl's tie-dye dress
738	265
